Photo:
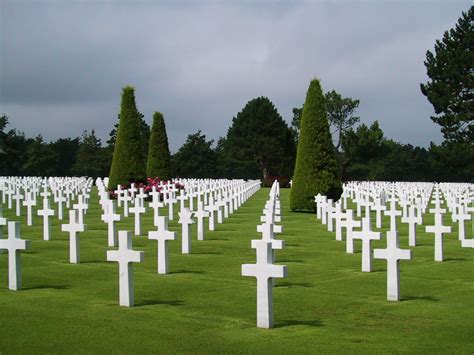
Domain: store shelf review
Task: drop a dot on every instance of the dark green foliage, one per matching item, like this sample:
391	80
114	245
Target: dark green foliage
91	158
144	133
195	158
128	162
66	151
451	89
159	160
41	159
259	143
340	111
316	168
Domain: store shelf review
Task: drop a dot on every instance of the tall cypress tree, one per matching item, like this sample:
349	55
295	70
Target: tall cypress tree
128	162
159	159
316	168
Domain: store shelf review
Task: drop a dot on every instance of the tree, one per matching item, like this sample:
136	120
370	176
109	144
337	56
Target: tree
195	158
363	150
66	151
128	162
316	168
159	160
451	88
144	133
90	156
340	111
296	121
40	159
259	142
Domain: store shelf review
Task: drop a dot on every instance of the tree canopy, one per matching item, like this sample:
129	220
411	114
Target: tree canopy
451	88
259	143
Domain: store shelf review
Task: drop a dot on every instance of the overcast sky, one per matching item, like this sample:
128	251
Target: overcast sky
63	63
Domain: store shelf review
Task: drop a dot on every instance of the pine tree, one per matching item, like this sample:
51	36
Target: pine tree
316	168
158	164
451	89
128	163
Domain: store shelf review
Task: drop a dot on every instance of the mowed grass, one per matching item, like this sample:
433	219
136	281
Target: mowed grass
205	306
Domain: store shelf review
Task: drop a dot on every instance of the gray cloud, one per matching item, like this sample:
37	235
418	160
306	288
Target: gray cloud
63	63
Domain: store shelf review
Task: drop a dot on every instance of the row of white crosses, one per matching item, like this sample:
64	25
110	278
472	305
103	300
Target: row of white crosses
31	187
264	270
413	199
125	255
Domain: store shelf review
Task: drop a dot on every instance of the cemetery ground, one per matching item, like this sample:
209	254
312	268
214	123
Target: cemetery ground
205	306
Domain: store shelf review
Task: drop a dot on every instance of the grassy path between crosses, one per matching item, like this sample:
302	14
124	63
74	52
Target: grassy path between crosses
204	306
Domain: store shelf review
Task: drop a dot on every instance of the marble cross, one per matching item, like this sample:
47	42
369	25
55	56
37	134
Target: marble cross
264	270
46	212
125	256
110	217
350	224
366	236
29	202
438	229
378	207
155	204
81	207
185	219
17	197
137	210
200	215
73	228
60	199
461	217
14	244
162	236
412	218
393	254
393	213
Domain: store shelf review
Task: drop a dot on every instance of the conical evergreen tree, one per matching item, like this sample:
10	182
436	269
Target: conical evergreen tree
128	162
159	160
316	168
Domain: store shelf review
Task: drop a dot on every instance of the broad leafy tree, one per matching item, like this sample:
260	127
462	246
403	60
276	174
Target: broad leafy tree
451	88
259	143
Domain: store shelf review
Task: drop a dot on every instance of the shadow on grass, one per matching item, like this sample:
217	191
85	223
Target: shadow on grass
187	272
43	287
292	245
291	322
157	303
95	262
206	253
455	259
290	261
294	284
420	298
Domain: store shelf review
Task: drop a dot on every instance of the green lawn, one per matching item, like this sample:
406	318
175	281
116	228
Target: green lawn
204	306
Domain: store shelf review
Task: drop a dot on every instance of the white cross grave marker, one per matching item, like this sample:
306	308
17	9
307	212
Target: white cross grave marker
110	217
264	271
162	236
46	212
125	255
185	219
393	254
73	228
366	236
14	244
